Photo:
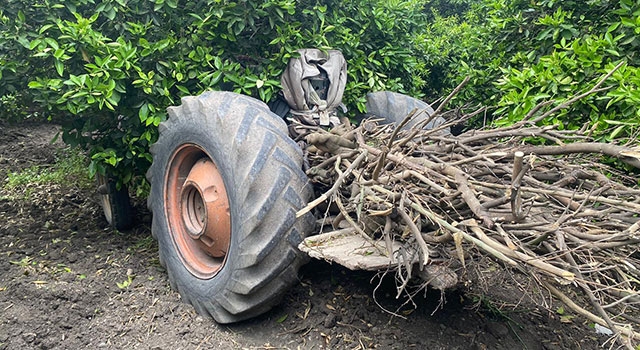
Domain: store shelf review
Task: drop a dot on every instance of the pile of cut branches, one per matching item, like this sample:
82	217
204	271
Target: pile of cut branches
548	209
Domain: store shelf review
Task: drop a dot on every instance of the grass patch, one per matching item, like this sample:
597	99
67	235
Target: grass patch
70	168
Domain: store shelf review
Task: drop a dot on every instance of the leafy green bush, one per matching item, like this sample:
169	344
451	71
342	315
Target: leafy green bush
519	53
107	69
574	50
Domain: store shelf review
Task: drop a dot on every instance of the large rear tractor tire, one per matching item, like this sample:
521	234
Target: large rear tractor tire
226	183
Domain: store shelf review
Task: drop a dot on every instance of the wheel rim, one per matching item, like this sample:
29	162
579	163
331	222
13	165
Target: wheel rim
105	199
106	208
197	211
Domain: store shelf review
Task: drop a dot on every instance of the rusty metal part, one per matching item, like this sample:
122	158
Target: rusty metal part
197	211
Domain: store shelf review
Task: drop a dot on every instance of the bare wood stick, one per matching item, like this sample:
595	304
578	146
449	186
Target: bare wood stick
357	227
335	186
533	111
451	95
633	295
431	184
432	134
516	195
471	199
326	162
504	133
381	158
587	290
460	179
610	245
564	193
533	261
443	223
434	114
444	237
386	233
480	156
399	159
506	237
385	180
625	154
344	211
496	202
517	164
578	309
424	249
380	164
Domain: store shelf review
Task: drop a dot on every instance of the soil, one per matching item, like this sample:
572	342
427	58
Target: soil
68	281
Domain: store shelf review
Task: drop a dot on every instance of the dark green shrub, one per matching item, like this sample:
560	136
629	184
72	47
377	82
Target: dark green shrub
108	69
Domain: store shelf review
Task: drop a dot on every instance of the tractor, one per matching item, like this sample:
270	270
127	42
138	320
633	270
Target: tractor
229	188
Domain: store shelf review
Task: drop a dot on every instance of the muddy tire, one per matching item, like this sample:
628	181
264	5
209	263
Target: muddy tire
226	183
116	204
394	107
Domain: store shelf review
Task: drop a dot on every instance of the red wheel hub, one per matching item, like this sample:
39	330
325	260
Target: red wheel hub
197	210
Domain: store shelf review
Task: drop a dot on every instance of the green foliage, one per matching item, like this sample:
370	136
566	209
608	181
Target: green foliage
107	69
571	65
520	53
126	283
453	47
13	106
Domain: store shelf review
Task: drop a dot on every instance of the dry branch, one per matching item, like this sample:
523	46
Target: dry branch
552	213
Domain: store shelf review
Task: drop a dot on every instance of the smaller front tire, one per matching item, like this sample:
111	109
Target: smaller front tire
116	204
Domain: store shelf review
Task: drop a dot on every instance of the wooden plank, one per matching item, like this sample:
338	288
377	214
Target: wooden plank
349	249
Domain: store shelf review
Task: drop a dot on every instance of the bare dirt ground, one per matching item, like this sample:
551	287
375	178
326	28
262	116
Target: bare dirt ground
67	281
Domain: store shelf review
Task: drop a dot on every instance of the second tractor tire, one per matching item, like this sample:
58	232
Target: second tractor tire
116	203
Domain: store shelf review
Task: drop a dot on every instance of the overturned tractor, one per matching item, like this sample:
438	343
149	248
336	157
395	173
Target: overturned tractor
243	193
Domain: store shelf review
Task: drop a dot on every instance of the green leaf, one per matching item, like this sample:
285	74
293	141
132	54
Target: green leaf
93	167
45	28
51	42
59	67
617	131
58	53
111	14
172	3
282	318
34	43
143	113
626	21
35	85
215	78
183	89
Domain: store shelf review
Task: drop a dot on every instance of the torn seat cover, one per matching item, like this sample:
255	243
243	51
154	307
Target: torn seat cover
313	85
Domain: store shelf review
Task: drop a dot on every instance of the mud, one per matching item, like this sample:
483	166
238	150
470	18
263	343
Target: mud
68	281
